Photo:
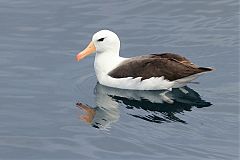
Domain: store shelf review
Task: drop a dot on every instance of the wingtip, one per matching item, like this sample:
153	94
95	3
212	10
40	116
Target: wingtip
211	68
206	69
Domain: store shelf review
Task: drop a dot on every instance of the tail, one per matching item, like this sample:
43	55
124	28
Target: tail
206	69
183	81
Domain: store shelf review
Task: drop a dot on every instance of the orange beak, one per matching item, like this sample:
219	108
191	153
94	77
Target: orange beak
87	51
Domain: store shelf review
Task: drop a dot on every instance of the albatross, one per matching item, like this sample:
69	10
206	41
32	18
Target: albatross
146	72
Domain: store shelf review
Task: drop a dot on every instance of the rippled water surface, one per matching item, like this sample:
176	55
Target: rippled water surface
53	108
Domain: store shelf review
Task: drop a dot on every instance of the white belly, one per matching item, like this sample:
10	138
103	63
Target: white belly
136	83
147	84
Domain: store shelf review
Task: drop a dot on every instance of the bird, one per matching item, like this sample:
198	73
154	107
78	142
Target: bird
163	71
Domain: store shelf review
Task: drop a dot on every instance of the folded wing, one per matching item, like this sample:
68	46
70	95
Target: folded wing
169	65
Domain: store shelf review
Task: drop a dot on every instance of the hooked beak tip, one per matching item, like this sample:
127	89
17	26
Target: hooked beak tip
77	58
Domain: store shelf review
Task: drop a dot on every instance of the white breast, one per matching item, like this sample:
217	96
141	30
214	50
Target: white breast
104	63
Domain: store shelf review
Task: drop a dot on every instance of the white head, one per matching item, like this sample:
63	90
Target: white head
106	40
103	41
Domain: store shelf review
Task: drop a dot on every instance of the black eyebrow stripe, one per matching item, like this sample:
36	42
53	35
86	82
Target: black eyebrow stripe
101	39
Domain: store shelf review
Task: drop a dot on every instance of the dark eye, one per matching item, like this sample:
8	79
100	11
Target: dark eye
100	40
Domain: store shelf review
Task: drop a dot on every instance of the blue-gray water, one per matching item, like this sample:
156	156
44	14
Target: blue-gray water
40	81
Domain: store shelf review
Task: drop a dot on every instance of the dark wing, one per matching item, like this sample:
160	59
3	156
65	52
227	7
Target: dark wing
173	56
156	66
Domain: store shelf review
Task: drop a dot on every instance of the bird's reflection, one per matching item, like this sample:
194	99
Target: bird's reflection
158	106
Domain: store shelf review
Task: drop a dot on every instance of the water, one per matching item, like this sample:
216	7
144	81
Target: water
41	82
